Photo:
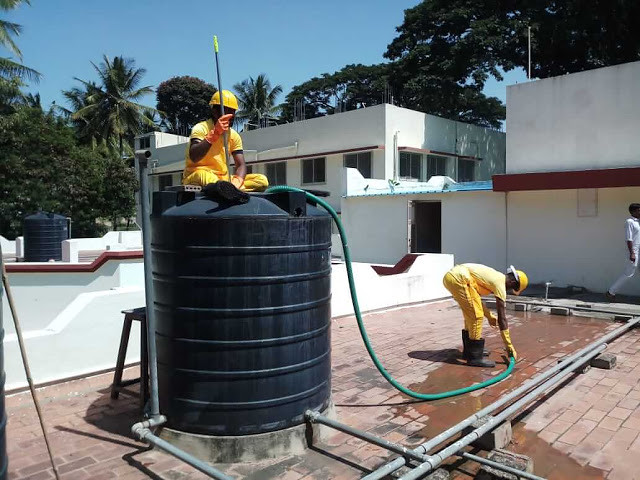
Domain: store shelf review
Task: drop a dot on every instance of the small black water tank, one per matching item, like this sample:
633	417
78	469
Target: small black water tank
243	311
43	236
4	462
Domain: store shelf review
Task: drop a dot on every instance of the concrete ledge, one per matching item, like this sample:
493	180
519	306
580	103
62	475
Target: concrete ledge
509	459
605	361
499	437
250	448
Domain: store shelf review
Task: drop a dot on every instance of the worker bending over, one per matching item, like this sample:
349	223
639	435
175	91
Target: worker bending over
205	157
467	282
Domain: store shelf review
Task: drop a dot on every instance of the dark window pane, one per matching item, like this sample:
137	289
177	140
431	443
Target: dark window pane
319	169
307	171
405	165
351	161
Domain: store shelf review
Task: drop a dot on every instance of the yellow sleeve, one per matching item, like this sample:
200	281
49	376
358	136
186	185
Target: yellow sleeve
235	141
199	131
500	291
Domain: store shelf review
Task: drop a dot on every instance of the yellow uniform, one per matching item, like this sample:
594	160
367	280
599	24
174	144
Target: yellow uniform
213	166
467	282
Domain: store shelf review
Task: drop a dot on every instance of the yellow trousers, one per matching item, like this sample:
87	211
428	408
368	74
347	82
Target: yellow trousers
464	290
253	182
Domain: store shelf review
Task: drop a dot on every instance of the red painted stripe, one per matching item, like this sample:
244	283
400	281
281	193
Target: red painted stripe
568	180
72	267
402	266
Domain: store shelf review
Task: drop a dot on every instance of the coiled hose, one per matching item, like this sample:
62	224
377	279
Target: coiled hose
363	331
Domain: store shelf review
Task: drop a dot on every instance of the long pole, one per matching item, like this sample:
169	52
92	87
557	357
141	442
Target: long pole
398	463
529	37
226	134
149	296
25	362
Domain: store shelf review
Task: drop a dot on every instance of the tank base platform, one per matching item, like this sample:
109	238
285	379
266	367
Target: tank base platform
246	448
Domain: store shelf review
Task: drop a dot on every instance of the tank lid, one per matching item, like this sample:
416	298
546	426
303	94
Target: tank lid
45	216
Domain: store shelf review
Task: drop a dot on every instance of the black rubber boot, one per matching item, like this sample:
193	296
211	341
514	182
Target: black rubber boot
475	348
465	345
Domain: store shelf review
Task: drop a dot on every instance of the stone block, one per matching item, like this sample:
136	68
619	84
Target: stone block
521	307
499	437
560	311
605	360
439	474
509	459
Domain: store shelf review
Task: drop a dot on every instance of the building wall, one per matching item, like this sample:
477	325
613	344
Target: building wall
549	241
580	121
473	226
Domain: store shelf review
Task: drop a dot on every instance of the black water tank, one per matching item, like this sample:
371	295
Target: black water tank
4	462
43	236
243	311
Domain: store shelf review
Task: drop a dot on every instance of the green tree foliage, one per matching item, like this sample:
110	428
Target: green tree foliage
184	101
257	100
446	50
12	73
354	86
43	168
110	109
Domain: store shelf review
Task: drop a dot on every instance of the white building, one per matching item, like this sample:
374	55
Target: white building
383	142
573	167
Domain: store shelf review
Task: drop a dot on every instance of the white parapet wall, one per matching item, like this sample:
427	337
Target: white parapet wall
71	319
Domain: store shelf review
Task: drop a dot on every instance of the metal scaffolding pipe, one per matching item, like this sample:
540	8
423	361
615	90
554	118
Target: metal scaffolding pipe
315	417
450	432
438	458
146	435
143	160
499	466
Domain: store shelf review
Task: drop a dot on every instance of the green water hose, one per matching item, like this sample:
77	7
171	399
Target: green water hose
363	331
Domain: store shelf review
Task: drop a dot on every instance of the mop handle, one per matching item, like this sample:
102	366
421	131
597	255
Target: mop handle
226	134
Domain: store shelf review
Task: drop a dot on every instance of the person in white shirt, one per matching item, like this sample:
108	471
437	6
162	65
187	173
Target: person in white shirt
632	236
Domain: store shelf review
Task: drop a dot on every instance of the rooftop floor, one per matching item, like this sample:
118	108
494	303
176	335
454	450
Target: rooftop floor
588	429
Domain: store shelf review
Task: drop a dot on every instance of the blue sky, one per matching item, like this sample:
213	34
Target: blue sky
291	41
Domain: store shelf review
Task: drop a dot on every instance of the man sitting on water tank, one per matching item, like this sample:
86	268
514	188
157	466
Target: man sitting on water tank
467	282
205	156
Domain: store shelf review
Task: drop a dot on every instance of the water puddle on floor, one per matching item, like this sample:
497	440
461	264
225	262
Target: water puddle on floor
540	340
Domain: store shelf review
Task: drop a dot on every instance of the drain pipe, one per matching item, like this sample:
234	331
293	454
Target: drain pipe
142	430
398	463
499	466
455	447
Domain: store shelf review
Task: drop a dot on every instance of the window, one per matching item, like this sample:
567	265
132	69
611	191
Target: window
361	161
466	170
277	173
436	166
144	142
313	170
165	181
410	166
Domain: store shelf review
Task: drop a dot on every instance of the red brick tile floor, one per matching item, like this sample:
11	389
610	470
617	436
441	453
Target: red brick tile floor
586	429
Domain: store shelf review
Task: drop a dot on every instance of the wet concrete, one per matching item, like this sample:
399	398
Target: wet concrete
540	340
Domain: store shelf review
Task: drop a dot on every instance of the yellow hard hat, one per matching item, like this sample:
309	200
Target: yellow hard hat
520	277
229	98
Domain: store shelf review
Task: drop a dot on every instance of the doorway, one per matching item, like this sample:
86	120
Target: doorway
425	227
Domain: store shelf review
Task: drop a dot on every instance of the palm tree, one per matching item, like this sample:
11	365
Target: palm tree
78	98
112	107
8	30
257	100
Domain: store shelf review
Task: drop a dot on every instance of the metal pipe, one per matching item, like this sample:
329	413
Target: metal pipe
581	308
499	466
450	432
493	422
146	435
149	295
315	417
225	135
